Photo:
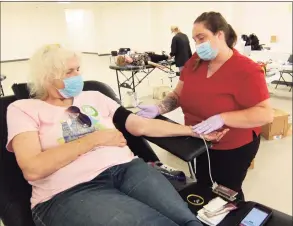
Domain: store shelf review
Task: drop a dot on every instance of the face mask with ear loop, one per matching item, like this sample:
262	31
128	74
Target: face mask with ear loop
72	86
205	51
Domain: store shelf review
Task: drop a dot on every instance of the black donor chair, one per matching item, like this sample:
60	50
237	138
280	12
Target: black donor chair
2	78
15	192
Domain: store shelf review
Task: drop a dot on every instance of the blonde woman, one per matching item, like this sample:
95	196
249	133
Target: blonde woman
80	167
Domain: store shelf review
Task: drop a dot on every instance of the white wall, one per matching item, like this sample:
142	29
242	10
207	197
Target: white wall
27	26
147	25
266	19
124	25
138	25
182	14
80	37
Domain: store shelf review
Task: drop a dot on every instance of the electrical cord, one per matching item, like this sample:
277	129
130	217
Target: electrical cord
209	160
199	199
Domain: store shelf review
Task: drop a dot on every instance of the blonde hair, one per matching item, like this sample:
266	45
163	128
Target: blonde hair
48	63
120	61
175	28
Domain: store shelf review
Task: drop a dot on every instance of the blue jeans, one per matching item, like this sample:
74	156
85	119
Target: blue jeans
131	194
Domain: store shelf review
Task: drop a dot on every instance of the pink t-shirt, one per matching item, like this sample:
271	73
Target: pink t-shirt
55	126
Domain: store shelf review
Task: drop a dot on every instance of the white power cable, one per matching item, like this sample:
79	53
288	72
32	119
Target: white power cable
209	160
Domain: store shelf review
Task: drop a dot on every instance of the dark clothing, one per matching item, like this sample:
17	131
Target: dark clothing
180	48
157	57
228	167
141	59
132	194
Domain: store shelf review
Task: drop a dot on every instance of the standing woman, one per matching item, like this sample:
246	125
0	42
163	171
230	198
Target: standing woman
180	48
220	88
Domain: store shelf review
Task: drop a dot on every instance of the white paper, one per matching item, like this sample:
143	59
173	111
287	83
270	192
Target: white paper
212	221
215	205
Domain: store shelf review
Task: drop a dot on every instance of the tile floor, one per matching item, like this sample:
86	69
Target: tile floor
270	182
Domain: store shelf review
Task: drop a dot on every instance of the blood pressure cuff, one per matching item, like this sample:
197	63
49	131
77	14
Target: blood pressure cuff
120	117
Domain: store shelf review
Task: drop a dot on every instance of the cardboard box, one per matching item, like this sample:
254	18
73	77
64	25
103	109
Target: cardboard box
160	92
278	128
289	132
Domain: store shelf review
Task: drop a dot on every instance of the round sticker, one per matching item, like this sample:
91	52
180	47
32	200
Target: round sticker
89	110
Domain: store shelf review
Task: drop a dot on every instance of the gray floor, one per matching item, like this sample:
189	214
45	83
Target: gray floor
270	182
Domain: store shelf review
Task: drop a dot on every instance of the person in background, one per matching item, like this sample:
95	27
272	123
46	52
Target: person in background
79	165
180	48
220	88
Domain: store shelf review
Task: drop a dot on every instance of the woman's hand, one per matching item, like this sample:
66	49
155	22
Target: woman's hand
213	136
148	111
109	137
216	135
210	125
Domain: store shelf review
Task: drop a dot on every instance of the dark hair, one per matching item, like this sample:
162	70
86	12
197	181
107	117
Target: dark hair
215	22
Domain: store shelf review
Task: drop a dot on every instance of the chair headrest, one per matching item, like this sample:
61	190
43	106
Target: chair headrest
123	51
114	53
20	90
2	78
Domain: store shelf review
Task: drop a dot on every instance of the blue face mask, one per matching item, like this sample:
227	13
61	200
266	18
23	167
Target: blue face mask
205	51
73	86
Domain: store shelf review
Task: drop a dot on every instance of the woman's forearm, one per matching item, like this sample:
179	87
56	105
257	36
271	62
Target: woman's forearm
160	128
53	159
248	118
170	103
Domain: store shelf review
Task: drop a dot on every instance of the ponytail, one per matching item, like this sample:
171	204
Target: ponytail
231	37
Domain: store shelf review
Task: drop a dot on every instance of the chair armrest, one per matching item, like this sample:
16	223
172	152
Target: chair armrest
280	218
15	209
185	148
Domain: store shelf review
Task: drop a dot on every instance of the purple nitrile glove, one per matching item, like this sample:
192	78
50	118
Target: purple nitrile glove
148	111
210	125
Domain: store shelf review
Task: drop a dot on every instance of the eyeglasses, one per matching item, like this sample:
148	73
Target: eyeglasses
83	119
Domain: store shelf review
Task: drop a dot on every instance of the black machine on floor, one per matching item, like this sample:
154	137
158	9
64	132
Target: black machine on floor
15	192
